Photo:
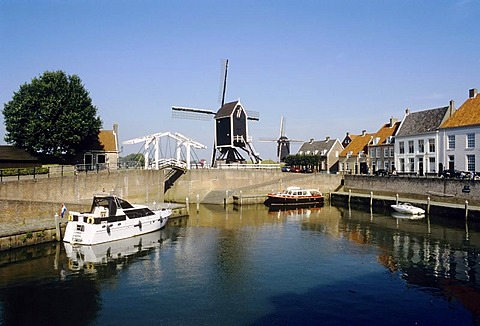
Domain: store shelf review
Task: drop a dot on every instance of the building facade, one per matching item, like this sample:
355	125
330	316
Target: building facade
460	137
417	141
328	150
381	149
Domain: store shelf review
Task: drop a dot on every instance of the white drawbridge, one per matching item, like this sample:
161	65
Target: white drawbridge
152	149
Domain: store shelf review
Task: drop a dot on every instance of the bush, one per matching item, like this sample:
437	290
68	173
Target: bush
23	171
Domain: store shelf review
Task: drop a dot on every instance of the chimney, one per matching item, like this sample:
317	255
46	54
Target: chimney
392	121
472	93
407	111
364	132
451	108
311	141
327	138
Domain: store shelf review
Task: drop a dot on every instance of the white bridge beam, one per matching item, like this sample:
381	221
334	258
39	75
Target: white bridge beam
152	143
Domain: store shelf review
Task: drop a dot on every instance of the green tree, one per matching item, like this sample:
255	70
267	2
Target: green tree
52	116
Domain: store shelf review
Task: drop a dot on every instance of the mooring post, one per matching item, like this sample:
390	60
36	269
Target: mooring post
396	199
187	204
466	209
428	205
241	198
57	228
330	196
198	202
349	195
371	198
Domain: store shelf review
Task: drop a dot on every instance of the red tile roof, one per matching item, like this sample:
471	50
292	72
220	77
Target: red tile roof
467	115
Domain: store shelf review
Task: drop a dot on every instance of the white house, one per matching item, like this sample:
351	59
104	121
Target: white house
417	141
460	136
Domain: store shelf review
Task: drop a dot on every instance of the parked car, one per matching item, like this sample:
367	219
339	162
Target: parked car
285	168
382	172
295	169
456	174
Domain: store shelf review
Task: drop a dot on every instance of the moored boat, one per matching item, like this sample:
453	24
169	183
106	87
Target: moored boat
407	208
295	196
112	218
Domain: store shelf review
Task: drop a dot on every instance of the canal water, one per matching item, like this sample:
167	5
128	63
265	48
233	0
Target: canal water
252	266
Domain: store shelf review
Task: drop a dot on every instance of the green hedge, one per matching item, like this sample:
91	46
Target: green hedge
23	171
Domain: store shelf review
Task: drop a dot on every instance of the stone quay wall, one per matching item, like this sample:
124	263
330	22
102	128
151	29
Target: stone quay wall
213	186
439	189
138	186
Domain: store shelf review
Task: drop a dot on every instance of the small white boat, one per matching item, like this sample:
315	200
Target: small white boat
112	218
407	208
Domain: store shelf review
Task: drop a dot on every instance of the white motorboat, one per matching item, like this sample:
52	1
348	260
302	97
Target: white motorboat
407	208
112	218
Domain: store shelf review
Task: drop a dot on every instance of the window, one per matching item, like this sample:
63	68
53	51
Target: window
411	164
471	163
386	164
451	142
410	147
379	151
431	145
402	164
421	147
451	162
392	152
385	152
401	146
372	152
470	140
431	161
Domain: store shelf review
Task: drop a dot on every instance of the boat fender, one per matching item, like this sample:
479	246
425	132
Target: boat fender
70	217
140	224
161	219
108	229
90	220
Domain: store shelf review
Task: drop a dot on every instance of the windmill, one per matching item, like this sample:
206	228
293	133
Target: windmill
231	127
283	143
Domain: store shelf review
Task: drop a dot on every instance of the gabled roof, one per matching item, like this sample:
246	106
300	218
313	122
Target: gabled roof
387	130
318	145
422	121
14	154
359	143
227	109
467	115
106	142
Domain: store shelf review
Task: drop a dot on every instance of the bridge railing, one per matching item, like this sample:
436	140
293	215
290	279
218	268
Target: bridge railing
221	166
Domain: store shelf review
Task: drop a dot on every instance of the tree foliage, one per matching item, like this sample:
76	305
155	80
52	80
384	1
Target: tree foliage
307	161
52	116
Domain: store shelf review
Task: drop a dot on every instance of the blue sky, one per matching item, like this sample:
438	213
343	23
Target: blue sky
328	67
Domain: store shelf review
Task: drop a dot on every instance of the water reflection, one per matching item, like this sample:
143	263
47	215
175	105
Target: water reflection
116	252
438	254
255	263
55	287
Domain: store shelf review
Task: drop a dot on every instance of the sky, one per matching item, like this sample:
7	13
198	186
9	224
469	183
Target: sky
327	66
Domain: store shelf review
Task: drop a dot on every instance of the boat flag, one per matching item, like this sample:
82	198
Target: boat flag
64	209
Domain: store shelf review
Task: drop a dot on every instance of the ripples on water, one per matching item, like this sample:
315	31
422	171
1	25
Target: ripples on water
254	267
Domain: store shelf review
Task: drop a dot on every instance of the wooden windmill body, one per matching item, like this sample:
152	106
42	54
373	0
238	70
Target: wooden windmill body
231	129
